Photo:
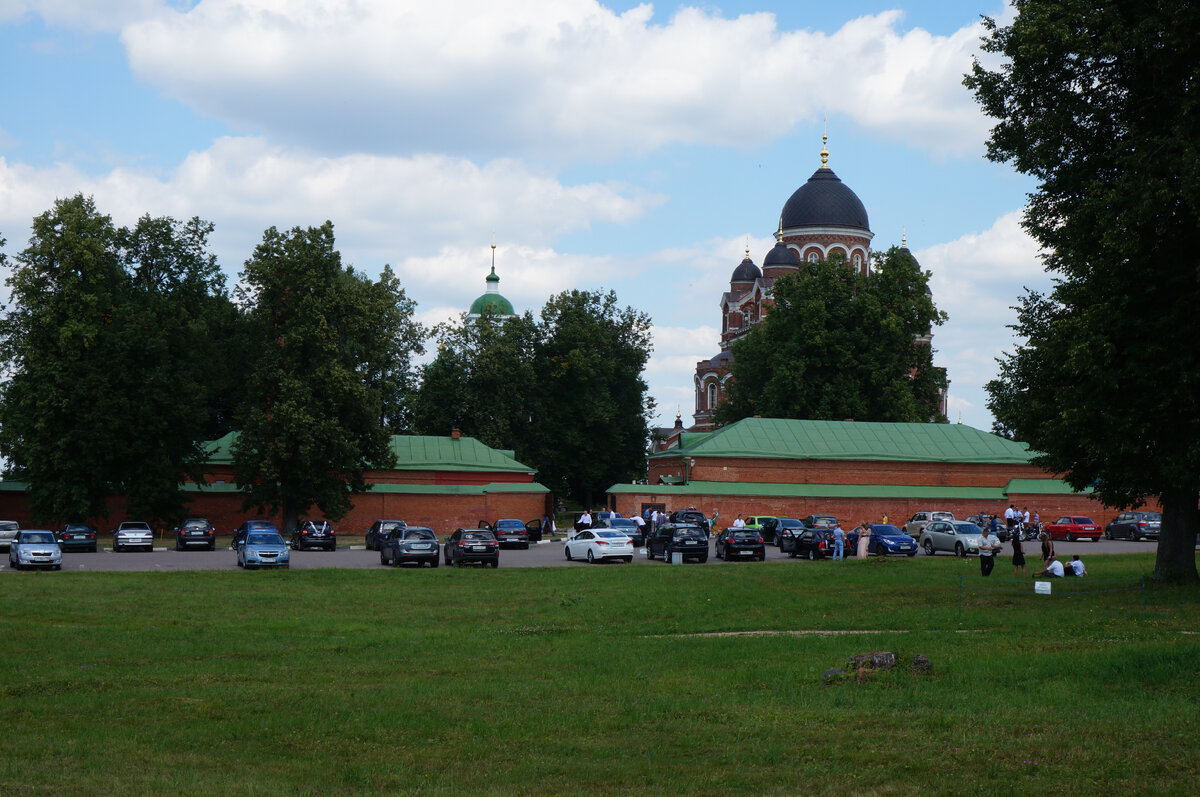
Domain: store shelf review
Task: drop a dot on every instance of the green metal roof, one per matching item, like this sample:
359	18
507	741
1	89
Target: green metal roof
415	452
775	490
911	442
1043	487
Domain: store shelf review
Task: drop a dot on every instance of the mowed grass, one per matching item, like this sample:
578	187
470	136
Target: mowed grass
598	680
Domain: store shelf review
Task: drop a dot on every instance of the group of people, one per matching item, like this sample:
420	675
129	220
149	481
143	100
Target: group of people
989	548
839	540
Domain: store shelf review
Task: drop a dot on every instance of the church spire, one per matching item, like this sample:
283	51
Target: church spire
824	149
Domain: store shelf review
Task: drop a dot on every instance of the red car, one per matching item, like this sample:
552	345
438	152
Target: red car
1073	528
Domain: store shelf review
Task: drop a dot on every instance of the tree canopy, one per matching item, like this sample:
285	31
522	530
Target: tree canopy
840	344
1100	102
112	372
328	368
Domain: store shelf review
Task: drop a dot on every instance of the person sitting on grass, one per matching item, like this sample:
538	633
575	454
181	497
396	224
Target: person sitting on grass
1075	567
1054	569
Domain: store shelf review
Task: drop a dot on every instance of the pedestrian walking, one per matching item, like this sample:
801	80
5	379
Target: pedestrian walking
989	545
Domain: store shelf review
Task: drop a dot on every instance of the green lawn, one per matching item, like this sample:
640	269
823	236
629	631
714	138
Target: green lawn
598	680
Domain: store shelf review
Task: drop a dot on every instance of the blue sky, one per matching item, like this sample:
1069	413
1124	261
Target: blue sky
619	146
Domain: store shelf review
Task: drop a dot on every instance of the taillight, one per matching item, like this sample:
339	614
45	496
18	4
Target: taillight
495	544
462	544
821	547
760	539
304	533
601	542
91	536
1142	523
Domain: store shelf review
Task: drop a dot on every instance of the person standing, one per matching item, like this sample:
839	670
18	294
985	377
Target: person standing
1047	547
1010	515
1018	557
884	519
585	520
989	544
839	543
864	539
738	523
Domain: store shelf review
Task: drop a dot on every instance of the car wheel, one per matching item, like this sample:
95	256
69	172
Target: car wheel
496	563
628	560
649	553
911	553
667	557
567	548
792	553
812	555
591	559
1070	537
525	547
434	563
928	547
959	550
383	558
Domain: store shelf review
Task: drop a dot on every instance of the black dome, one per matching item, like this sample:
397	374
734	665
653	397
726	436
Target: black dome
780	255
824	201
746	271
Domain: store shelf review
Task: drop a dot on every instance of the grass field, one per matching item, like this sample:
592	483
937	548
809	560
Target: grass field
595	680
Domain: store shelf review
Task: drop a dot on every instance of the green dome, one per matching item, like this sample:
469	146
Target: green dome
491	302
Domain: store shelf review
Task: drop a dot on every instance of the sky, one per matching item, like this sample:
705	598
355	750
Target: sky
633	148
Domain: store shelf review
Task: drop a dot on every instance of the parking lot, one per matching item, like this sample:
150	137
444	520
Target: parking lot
547	554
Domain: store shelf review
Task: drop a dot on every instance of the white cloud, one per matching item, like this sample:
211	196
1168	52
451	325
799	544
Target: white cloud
673	364
562	79
91	15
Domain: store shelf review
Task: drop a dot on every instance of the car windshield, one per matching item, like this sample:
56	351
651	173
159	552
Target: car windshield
37	536
264	538
745	535
889	530
477	535
1083	521
510	524
622	523
420	534
1152	517
790	523
943	516
610	535
963	527
259	524
195	524
134	527
74	527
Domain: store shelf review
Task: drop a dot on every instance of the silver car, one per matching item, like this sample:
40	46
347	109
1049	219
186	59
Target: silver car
35	548
133	534
8	532
954	536
263	549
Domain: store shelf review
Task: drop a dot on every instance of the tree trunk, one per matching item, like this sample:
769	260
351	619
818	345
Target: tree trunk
290	516
1177	538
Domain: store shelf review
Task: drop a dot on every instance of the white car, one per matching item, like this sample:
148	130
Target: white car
599	544
8	532
133	534
33	548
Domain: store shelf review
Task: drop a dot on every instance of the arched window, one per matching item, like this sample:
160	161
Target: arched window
712	395
857	261
813	257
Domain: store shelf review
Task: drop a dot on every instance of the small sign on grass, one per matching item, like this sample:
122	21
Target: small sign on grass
1041	587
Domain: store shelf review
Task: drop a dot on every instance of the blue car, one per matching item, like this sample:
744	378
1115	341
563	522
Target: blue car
885	539
263	549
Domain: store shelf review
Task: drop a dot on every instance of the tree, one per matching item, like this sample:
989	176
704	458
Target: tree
108	347
482	381
591	410
840	344
1100	102
323	379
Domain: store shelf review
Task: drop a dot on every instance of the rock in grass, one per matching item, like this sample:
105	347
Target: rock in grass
922	663
876	660
833	674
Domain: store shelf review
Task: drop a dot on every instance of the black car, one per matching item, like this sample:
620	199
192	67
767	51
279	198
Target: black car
819	521
812	543
77	537
410	545
472	545
195	531
239	534
379	531
314	534
691	517
1134	526
510	531
676	539
626	526
737	543
783	531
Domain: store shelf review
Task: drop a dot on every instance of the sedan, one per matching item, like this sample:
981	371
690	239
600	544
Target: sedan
244	530
8	532
738	543
1134	526
953	536
812	544
133	534
416	545
885	539
599	545
784	531
263	549
314	534
195	532
508	531
1074	527
472	545
34	548
77	537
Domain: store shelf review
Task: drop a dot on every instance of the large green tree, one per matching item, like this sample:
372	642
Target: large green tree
840	344
111	362
1100	102
324	376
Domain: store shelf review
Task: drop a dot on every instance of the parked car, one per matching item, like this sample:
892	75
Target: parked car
314	534
678	539
379	531
243	531
262	548
626	526
34	548
510	531
916	524
8	532
599	545
741	543
195	531
885	539
1134	526
472	545
416	545
133	534
812	543
819	521
757	523
953	536
985	522
693	517
783	531
1074	527
77	537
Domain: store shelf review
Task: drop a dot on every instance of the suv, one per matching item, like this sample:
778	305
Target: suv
690	517
8	532
955	536
685	540
916	524
1134	526
195	531
379	531
410	545
314	534
510	531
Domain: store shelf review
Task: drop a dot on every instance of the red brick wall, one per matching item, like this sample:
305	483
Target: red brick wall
831	471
